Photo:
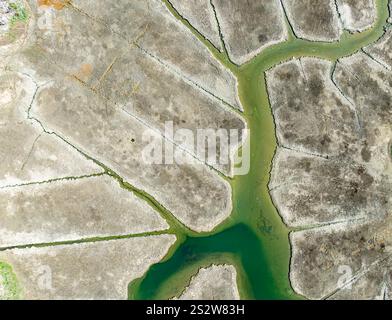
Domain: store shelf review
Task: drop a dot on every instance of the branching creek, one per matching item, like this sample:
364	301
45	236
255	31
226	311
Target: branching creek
254	238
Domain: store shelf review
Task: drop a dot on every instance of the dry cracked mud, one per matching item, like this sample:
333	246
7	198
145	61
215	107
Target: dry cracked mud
94	271
382	50
332	174
357	15
249	26
315	20
82	82
75	98
75	190
217	282
201	15
326	20
157	33
73	210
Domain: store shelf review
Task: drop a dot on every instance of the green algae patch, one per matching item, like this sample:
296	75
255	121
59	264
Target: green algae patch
237	246
17	24
21	15
9	286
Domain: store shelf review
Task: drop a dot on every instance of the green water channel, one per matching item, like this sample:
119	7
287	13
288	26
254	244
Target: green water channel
254	238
